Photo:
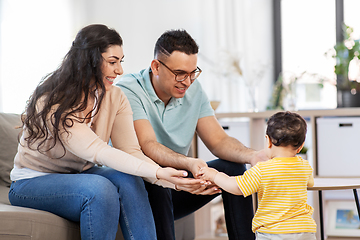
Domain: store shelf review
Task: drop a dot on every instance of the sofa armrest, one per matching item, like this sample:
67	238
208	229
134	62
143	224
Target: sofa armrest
9	131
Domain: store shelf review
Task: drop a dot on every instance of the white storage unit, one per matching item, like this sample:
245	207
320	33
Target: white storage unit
238	130
338	145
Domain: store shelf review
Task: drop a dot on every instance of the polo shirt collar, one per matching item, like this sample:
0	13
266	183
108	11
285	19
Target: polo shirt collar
151	91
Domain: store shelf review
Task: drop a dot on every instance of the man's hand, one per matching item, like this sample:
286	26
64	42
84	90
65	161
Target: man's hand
259	156
195	165
204	188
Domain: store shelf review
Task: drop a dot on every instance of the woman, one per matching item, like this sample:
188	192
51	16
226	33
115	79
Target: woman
64	164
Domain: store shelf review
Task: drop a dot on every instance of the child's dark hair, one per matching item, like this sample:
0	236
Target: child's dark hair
286	128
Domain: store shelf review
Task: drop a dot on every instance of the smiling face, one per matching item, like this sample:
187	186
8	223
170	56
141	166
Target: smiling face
111	66
163	79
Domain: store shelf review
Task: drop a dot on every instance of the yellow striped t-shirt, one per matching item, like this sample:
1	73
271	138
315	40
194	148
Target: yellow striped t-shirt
281	184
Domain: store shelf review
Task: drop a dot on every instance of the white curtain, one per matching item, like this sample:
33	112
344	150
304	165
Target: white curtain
237	32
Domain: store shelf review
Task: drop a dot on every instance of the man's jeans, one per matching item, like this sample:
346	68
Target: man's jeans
168	204
99	198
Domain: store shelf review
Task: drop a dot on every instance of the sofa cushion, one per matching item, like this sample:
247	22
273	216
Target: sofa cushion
26	223
9	131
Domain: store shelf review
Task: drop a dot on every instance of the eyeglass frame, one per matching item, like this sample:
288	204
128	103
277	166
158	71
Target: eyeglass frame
187	74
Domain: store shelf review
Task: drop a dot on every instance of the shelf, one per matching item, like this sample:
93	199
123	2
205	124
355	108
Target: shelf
257	124
304	113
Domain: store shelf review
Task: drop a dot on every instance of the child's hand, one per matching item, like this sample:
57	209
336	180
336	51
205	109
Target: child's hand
208	174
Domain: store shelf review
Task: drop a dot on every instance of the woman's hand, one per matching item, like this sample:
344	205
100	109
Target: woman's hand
191	185
174	176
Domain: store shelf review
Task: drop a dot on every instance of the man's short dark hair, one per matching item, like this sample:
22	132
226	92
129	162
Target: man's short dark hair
175	40
286	128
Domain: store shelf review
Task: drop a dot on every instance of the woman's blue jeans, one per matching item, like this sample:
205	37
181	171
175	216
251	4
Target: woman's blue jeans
98	198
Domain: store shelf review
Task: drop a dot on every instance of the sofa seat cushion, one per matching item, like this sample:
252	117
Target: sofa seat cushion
35	224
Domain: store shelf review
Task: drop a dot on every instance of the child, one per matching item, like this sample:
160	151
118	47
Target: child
281	182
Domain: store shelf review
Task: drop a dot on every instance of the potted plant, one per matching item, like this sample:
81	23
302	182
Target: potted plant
284	90
347	53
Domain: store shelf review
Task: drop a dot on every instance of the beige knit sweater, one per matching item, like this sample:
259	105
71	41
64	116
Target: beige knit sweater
86	146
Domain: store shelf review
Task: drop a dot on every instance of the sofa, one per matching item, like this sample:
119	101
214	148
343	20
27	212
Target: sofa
26	223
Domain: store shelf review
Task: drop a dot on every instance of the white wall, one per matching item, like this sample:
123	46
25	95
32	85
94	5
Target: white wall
243	27
140	23
35	36
1	14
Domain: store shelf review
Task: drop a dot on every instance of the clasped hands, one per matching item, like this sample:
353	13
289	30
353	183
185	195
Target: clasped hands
198	184
204	177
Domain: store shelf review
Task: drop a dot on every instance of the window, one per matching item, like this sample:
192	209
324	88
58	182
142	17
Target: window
351	16
307	33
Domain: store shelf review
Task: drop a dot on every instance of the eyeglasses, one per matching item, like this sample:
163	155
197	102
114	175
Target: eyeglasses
182	76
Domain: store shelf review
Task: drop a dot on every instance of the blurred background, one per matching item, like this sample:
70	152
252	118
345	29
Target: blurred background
245	45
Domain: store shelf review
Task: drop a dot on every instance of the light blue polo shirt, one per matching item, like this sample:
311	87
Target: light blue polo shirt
175	124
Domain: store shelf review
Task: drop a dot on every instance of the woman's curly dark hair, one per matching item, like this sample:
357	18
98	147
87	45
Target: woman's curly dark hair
69	87
286	128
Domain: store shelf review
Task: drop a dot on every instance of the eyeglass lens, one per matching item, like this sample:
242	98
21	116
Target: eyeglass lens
182	76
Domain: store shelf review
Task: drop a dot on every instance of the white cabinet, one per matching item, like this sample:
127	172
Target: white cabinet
338	140
238	130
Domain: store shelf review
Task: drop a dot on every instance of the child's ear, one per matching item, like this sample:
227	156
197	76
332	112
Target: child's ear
299	149
268	141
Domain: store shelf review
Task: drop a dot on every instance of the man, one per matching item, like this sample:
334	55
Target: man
169	106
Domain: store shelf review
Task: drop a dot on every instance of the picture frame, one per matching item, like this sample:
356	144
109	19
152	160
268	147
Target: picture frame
343	219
